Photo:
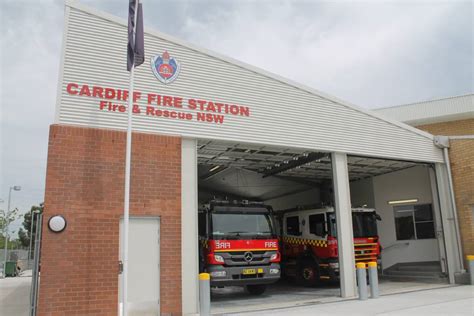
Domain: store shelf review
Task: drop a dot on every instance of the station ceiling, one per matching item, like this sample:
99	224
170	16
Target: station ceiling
286	163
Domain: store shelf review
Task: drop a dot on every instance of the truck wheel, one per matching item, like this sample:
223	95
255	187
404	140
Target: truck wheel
308	273
256	289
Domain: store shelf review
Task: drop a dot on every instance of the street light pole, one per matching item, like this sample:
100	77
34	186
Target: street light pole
7	223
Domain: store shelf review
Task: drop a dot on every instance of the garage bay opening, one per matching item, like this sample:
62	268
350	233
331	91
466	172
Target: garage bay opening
268	229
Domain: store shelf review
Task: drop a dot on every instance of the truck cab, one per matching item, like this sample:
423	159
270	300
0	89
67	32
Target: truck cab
238	244
309	242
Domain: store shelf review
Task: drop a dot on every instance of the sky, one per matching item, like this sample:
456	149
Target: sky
369	53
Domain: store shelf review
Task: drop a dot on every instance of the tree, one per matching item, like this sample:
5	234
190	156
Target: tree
24	234
5	219
23	237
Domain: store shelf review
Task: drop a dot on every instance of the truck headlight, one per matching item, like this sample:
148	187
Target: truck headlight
218	274
275	257
334	265
219	258
274	271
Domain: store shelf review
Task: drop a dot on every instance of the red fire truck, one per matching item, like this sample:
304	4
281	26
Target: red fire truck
309	242
239	245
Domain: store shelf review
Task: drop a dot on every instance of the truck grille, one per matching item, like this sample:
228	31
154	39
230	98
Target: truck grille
237	258
366	252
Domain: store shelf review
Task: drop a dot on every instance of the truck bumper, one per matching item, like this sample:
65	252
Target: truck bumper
329	270
227	276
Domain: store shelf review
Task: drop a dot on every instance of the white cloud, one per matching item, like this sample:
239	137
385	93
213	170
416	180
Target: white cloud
367	53
31	39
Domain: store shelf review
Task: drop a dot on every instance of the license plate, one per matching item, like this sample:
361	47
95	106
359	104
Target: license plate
249	271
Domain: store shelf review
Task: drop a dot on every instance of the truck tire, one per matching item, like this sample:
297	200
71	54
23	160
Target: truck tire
308	273
256	289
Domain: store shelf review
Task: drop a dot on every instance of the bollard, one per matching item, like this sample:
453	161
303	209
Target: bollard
362	281
373	280
205	294
470	259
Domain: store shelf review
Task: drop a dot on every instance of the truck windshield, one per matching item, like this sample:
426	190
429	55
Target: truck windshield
363	224
241	225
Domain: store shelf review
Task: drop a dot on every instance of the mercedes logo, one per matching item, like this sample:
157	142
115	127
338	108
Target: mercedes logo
248	256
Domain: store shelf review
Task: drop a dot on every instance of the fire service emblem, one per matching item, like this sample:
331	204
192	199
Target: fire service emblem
165	68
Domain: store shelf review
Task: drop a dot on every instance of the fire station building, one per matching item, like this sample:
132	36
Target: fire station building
207	126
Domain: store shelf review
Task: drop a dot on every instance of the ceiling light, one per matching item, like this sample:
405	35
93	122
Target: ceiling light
214	168
402	201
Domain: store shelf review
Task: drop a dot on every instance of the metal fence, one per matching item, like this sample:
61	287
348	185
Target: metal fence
18	255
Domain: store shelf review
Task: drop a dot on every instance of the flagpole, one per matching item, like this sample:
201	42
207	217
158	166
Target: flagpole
128	158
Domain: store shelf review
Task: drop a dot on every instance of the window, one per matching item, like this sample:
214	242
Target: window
293	226
317	225
332	224
414	222
424	224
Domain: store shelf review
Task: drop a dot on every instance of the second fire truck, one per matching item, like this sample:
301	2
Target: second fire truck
309	242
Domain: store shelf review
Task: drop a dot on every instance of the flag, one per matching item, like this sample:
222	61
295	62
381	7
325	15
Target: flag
136	48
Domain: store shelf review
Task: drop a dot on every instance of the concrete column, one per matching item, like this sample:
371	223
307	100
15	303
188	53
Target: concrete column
189	228
447	220
345	239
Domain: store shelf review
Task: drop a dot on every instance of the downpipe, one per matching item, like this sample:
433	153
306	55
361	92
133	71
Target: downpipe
443	143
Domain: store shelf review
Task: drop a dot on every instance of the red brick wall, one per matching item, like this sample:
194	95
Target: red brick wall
85	183
461	155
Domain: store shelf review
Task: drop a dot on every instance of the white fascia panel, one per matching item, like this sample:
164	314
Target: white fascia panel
282	113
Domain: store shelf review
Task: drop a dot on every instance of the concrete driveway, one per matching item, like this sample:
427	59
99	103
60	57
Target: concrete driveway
455	300
286	294
15	296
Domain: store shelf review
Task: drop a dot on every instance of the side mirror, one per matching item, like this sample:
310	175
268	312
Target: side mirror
377	217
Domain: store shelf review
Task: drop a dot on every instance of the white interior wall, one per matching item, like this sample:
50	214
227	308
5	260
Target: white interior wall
376	192
308	197
409	183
